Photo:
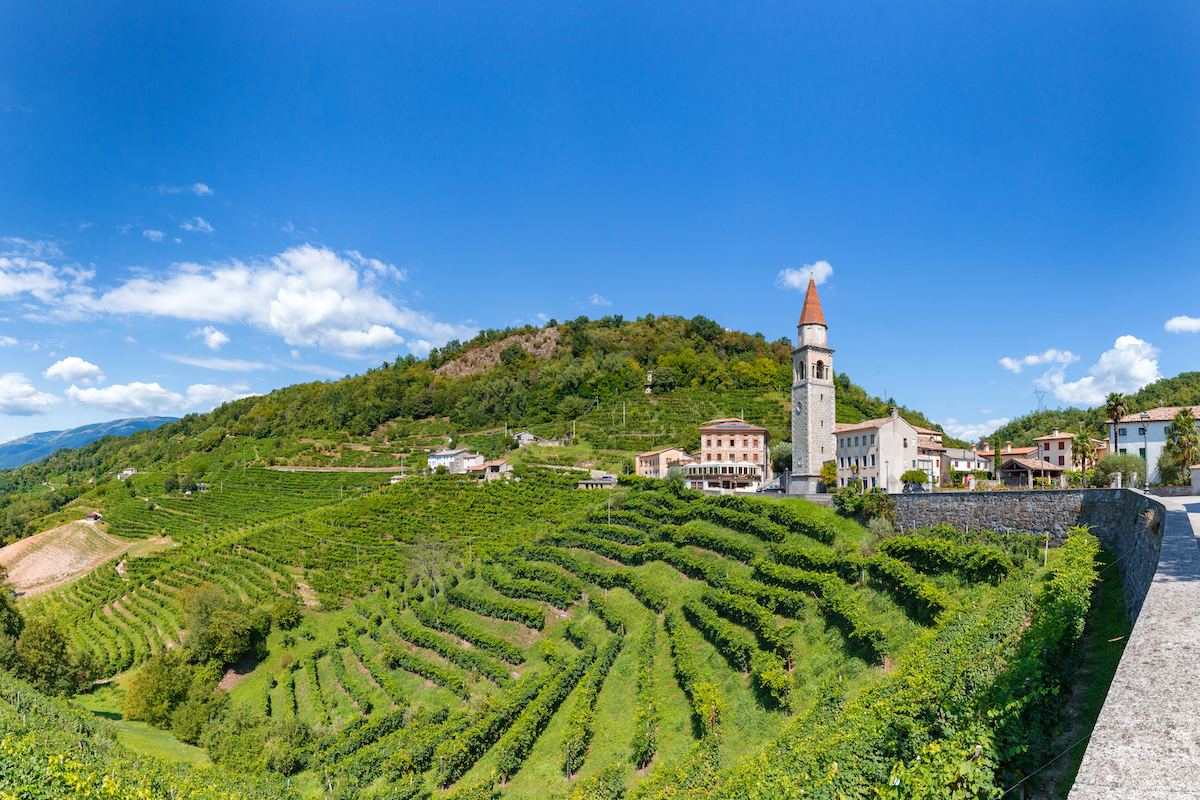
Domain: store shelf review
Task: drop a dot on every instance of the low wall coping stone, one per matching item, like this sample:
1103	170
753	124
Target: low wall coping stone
1146	743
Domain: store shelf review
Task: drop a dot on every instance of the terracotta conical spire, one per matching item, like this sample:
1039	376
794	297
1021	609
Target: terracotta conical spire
811	314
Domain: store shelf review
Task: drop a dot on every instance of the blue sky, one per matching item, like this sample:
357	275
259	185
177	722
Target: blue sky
206	200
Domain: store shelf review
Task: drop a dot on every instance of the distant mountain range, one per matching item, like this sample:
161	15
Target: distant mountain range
36	446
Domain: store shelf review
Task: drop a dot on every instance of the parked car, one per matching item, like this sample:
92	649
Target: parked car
913	488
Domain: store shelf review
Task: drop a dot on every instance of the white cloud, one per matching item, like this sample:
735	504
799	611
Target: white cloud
7	341
316	369
597	300
83	226
149	398
377	266
154	236
225	364
74	369
1183	325
198	189
1127	367
543	317
27	249
19	398
212	337
798	278
197	224
309	296
206	396
177	240
1051	356
973	431
19	275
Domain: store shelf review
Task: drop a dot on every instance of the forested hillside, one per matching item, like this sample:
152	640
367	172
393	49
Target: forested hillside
1182	390
591	382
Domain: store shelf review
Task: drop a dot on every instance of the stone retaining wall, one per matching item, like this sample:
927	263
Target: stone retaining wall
1173	491
1052	512
1126	522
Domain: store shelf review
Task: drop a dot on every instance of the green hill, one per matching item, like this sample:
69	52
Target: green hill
522	638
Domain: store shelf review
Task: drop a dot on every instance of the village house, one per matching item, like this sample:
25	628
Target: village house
879	451
1024	470
1146	433
734	456
456	461
657	463
491	470
957	459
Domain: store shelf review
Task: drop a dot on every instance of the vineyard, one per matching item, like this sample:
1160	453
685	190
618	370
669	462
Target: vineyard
527	639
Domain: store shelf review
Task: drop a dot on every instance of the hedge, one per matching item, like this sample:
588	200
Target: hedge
528	590
456	625
498	607
645	717
976	563
577	739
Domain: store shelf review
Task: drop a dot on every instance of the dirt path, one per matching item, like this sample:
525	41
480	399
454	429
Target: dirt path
53	558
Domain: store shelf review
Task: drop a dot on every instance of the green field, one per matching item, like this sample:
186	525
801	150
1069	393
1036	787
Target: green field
770	620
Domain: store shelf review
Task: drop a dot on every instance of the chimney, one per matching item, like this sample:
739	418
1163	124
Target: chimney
973	448
1056	431
895	412
1008	447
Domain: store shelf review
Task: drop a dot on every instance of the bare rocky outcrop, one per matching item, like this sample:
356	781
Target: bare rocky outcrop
539	345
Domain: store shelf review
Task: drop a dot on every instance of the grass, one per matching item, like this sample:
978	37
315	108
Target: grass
1100	649
105	701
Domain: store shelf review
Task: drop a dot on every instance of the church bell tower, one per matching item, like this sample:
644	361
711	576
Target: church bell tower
813	439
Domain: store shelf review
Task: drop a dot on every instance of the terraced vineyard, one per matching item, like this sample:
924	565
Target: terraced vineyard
521	638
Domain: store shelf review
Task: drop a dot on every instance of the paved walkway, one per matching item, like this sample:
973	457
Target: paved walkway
1146	744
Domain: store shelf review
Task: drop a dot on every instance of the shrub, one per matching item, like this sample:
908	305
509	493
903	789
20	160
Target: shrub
1125	463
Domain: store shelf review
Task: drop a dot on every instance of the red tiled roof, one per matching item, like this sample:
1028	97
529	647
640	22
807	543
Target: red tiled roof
811	314
866	424
1033	464
1160	414
731	424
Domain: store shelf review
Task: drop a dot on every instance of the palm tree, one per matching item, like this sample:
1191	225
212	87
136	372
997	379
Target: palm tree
1085	451
1116	407
1185	440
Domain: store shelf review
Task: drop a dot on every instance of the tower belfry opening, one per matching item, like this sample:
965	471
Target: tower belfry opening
812	397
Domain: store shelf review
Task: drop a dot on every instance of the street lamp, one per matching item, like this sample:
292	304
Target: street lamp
1146	445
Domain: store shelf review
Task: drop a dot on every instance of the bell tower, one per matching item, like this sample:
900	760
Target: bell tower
813	439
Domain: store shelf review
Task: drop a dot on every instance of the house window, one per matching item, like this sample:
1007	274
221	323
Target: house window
914	463
1062	461
1062	445
872	438
1122	451
1141	431
872	461
906	442
1121	432
1142	452
843	462
755	441
708	442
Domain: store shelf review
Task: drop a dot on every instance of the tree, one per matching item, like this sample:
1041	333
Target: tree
915	476
1116	407
155	690
1184	441
829	473
11	625
1125	463
1085	452
286	613
170	484
781	457
42	657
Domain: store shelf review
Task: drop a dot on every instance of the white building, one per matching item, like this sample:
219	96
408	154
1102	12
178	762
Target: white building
879	451
1145	433
456	462
725	476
